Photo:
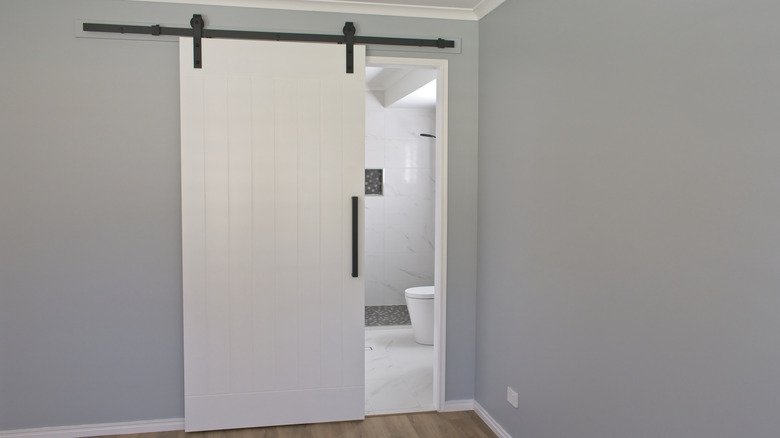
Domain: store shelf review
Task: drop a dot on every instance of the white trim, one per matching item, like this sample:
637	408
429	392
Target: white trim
440	240
458	405
86	430
356	7
485	7
440	264
490	421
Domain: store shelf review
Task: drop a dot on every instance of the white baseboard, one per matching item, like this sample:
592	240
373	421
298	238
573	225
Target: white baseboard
458	405
88	430
492	423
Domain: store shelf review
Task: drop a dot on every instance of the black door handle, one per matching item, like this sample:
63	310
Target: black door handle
354	236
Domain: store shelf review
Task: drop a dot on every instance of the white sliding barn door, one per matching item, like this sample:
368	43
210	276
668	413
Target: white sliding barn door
272	152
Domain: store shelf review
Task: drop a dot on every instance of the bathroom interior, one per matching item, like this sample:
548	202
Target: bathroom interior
399	238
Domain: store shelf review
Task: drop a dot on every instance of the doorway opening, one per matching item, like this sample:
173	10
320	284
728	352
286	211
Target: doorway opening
405	234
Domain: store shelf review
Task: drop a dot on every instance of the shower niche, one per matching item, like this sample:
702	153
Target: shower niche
375	182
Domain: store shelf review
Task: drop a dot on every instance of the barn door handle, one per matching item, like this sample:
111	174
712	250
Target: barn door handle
354	236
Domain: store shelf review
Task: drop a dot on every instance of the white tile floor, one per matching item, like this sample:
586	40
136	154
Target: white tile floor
399	371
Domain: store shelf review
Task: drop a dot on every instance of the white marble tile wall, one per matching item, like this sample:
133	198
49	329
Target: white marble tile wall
400	224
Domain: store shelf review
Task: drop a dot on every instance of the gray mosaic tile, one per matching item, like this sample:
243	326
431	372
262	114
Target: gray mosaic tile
375	181
387	315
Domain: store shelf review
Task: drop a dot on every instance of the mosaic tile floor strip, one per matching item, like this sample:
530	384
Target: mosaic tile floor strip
387	315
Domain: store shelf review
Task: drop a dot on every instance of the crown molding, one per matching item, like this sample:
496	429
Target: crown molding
485	7
355	7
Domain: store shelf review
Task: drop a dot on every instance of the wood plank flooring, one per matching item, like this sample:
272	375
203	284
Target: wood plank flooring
465	424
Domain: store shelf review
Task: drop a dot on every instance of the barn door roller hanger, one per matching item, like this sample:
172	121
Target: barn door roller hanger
198	32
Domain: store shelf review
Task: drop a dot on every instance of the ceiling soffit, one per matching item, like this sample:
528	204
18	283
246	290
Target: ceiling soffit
442	9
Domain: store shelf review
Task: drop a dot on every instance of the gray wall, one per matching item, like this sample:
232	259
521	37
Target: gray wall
629	218
90	250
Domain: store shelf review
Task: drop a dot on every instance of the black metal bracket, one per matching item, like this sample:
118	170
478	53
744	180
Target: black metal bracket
198	31
349	36
197	35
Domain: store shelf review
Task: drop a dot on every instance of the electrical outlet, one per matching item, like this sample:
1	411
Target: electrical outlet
511	396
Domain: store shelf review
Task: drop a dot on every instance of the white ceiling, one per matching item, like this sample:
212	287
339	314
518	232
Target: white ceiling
445	9
402	87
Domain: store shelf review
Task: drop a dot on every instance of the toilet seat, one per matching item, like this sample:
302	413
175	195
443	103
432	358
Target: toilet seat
421	292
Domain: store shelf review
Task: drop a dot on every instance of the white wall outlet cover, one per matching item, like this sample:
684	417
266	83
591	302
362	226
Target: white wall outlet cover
511	396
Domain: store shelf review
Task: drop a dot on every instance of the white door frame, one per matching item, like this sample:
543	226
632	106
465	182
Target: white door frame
440	245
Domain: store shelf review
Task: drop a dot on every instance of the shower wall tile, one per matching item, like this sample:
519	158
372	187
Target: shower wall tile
375	153
414	153
374	268
375	227
409	123
404	210
380	294
400	224
375	253
403	271
375	208
375	124
375	239
399	239
409	183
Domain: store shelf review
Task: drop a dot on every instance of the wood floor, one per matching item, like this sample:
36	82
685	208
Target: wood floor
418	425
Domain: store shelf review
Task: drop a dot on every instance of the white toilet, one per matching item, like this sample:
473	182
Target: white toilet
419	301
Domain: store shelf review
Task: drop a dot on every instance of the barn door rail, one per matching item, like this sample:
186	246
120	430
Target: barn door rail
198	31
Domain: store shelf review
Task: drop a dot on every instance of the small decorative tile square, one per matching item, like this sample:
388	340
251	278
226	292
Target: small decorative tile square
387	315
375	182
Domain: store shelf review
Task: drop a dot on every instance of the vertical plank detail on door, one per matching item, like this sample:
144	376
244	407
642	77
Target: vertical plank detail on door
264	331
332	231
271	154
286	238
193	224
217	234
309	286
239	115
